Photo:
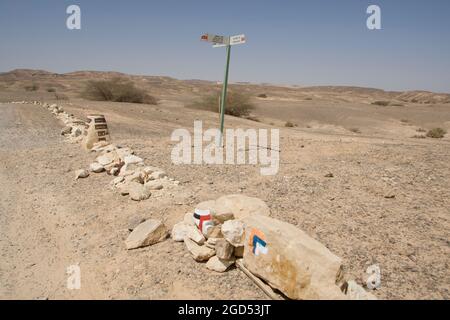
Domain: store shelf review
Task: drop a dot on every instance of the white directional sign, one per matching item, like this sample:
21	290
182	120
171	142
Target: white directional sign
238	39
216	39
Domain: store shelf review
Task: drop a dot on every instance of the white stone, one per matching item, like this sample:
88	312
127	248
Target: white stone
145	234
96	167
219	265
132	159
195	235
158	175
199	253
233	231
224	250
138	192
355	292
180	231
82	173
154	185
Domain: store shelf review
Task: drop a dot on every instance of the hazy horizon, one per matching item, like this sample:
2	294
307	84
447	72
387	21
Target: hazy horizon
304	43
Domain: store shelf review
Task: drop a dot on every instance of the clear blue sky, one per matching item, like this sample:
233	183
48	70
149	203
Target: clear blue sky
313	42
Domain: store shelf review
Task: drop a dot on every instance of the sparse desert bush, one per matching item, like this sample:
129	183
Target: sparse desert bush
116	90
436	133
60	96
237	105
419	136
381	103
355	130
396	104
308	98
32	87
262	95
253	118
289	124
51	90
421	130
404	120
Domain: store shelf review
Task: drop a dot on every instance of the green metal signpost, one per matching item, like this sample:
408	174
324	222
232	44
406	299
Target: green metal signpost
222	41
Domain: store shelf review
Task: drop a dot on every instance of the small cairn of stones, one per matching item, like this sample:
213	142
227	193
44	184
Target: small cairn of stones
214	232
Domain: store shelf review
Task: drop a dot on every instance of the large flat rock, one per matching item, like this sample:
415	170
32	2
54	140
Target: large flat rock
289	260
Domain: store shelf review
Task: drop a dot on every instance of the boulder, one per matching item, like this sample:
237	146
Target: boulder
138	192
241	206
199	253
220	214
289	260
224	250
96	167
218	265
147	233
82	173
233	231
180	231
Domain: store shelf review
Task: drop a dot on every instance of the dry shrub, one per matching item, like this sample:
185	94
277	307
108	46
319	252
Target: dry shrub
32	87
381	103
289	124
262	95
355	130
237	105
436	133
116	90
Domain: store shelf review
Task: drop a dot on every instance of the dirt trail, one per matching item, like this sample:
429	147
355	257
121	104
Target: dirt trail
49	221
387	203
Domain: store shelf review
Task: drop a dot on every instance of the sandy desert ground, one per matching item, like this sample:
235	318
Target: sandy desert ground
388	201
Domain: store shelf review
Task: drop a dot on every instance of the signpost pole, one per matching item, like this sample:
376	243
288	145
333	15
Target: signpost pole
223	98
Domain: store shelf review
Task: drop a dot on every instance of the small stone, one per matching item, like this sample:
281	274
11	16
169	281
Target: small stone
82	173
239	251
214	232
199	253
211	243
233	231
132	159
107	158
138	192
195	235
189	219
224	250
147	233
158	175
96	167
134	222
218	265
355	292
118	180
180	231
66	130
154	185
